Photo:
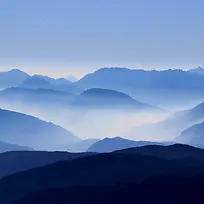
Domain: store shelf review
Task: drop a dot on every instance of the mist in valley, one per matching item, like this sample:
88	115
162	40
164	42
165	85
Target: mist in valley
96	123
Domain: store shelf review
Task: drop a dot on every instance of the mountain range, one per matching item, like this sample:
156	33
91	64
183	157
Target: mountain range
127	166
44	82
154	87
168	87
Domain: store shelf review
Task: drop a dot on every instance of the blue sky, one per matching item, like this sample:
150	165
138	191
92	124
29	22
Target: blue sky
80	36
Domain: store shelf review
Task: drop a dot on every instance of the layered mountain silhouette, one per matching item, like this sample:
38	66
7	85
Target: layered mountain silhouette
105	170
117	143
108	99
141	79
168	87
17	161
12	78
44	82
25	130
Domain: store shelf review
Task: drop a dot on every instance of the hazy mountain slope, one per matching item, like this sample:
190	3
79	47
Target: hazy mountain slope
60	81
27	96
81	146
193	135
12	78
171	127
36	82
25	130
101	169
105	98
116	143
156	189
13	162
6	147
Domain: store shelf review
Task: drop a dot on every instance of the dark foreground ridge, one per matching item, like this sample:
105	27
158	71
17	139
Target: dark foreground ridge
157	189
133	165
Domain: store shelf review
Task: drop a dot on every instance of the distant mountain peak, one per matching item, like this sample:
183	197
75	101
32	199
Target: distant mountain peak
71	78
16	70
198	70
118	143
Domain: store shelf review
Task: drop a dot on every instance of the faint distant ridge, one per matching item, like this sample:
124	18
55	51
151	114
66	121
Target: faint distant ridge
193	135
123	78
71	78
118	143
198	70
44	82
35	82
7	147
105	98
59	81
165	87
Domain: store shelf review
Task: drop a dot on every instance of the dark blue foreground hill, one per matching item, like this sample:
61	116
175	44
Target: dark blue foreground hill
17	161
125	166
160	189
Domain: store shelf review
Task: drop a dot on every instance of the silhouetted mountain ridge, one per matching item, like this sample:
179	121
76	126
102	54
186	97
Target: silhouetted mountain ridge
101	170
24	160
